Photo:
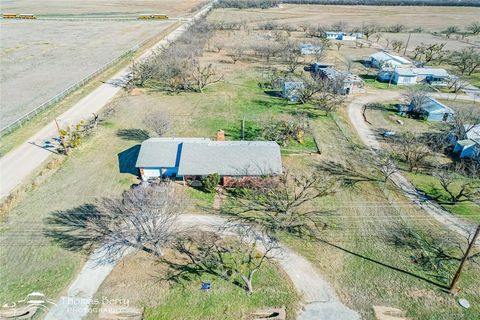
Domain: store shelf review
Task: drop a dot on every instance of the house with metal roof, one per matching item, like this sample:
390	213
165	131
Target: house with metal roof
292	89
345	81
434	110
180	158
411	76
470	146
385	59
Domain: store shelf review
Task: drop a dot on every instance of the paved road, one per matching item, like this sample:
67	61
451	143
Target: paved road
369	138
22	161
321	301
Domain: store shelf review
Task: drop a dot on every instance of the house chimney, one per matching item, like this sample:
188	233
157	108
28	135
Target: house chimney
220	135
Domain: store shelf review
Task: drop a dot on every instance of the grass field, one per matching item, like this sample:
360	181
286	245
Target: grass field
99	7
356	258
432	18
164	300
33	51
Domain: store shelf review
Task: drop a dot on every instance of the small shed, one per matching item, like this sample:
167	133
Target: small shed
292	90
346	80
435	110
309	49
468	148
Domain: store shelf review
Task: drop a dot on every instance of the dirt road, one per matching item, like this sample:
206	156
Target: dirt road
369	138
320	299
21	162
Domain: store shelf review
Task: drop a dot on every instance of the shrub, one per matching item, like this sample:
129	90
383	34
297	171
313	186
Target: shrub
210	182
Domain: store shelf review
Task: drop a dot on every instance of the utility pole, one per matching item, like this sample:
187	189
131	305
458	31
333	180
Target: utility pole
464	259
406	45
243	128
62	138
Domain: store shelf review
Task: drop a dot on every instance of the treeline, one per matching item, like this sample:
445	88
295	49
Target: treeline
177	67
265	4
245	4
461	3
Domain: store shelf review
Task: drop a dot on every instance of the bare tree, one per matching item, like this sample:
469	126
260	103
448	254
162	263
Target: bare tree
466	60
387	166
456	84
291	55
236	258
433	252
464	120
339	45
417	98
339	26
412	149
369	29
429	52
203	76
237	53
267	50
158	122
458	187
474	27
398	45
145	218
451	30
284	204
304	26
320	47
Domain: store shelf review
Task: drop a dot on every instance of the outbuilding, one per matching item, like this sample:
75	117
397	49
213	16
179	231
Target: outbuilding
385	59
435	110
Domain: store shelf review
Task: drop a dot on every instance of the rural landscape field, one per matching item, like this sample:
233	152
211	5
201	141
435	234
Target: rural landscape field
248	160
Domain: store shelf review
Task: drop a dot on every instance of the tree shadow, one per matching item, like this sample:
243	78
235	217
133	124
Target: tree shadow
68	228
127	160
439	285
133	134
273	93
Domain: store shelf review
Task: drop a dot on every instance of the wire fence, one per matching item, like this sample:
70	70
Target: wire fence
60	96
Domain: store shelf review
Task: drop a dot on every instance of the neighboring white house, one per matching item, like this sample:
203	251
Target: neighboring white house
384	59
469	147
308	48
411	76
340	35
291	90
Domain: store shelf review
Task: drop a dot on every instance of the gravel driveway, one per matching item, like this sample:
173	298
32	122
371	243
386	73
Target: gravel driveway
320	299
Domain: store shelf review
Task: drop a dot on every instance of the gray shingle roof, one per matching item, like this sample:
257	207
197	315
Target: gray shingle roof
203	156
155	151
231	158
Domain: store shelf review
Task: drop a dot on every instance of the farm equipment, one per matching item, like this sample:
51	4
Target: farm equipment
153	16
18	16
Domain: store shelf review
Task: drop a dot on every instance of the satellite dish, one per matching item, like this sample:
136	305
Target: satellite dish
464	303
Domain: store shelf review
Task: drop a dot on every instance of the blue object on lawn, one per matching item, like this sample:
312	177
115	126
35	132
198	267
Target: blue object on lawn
206	286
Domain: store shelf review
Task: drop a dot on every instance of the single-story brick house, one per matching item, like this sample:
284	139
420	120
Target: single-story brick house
195	158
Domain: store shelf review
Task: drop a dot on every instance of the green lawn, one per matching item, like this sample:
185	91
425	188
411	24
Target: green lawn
432	188
225	300
475	79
